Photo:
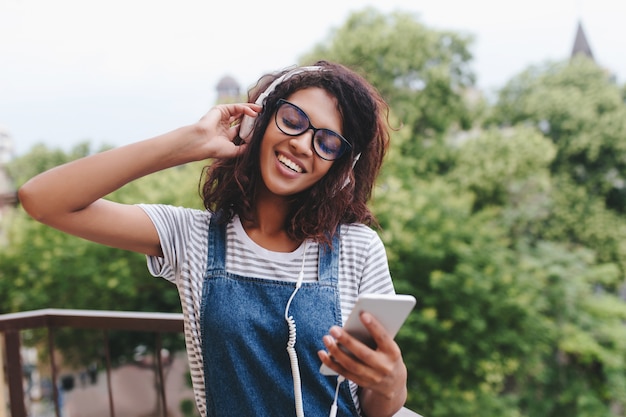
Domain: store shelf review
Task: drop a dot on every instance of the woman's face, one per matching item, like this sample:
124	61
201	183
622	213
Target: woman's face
289	164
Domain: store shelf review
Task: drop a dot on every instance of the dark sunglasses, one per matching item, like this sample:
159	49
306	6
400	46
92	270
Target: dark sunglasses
293	121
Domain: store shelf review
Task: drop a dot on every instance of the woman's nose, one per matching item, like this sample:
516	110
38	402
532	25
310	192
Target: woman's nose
302	143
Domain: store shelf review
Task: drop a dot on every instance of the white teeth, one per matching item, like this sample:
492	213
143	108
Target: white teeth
289	163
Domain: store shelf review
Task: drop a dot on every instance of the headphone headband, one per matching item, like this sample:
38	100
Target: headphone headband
247	123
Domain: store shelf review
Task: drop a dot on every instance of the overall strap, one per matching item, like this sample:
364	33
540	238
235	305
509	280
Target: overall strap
328	268
216	255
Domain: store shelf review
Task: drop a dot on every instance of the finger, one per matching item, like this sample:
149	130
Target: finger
350	343
339	360
345	349
385	344
231	113
377	358
234	114
253	108
381	337
238	109
363	374
328	360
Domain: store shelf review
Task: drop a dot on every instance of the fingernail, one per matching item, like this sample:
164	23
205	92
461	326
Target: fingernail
366	318
335	331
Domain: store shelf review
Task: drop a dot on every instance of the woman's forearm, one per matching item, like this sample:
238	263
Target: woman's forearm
73	186
70	197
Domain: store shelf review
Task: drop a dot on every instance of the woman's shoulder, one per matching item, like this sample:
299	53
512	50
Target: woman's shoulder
357	231
360	238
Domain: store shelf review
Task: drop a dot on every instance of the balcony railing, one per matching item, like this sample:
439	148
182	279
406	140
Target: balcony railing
8	199
12	324
51	319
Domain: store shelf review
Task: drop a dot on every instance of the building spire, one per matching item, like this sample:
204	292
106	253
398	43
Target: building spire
581	45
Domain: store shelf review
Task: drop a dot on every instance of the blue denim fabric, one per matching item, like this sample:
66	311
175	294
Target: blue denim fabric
244	338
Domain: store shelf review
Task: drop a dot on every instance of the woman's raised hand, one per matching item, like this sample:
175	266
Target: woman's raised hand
219	127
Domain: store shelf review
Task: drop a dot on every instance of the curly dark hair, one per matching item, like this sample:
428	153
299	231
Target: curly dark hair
230	185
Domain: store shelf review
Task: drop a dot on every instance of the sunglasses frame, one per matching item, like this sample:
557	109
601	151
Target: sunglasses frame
346	145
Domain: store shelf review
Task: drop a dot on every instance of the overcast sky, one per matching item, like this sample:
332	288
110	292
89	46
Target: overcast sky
117	71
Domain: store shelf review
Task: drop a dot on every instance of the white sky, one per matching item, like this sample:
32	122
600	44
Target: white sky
117	71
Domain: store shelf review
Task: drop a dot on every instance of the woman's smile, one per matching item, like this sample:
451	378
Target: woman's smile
289	163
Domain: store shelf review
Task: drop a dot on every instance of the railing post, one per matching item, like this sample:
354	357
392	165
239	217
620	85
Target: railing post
3	401
107	359
14	370
160	370
53	369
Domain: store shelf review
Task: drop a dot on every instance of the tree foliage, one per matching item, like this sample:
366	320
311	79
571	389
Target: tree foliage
579	107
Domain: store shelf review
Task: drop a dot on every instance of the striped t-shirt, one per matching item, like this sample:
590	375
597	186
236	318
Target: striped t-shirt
183	233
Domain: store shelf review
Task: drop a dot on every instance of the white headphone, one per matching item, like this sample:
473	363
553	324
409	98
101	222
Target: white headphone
247	123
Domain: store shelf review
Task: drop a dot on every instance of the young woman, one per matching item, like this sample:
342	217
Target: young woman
285	241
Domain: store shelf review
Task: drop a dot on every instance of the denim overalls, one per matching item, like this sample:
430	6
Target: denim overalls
247	371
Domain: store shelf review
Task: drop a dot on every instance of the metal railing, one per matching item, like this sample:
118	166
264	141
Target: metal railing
9	199
12	324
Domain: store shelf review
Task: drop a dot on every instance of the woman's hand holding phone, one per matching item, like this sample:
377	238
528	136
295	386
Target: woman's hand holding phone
371	326
371	358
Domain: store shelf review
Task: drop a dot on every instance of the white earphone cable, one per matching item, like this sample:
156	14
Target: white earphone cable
291	343
333	408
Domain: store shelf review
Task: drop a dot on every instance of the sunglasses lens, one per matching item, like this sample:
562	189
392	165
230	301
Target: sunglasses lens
328	144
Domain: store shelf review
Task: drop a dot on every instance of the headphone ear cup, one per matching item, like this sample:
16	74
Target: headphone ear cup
347	180
246	127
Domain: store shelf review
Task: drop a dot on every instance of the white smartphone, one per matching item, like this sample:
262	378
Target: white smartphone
391	310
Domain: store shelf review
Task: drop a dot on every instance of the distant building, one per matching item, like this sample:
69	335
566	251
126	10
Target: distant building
228	90
581	44
582	47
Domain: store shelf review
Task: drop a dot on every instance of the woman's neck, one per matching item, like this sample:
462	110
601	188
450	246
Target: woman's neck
267	229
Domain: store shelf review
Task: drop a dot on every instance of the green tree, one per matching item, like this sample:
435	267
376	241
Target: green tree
412	65
577	366
506	168
578	106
